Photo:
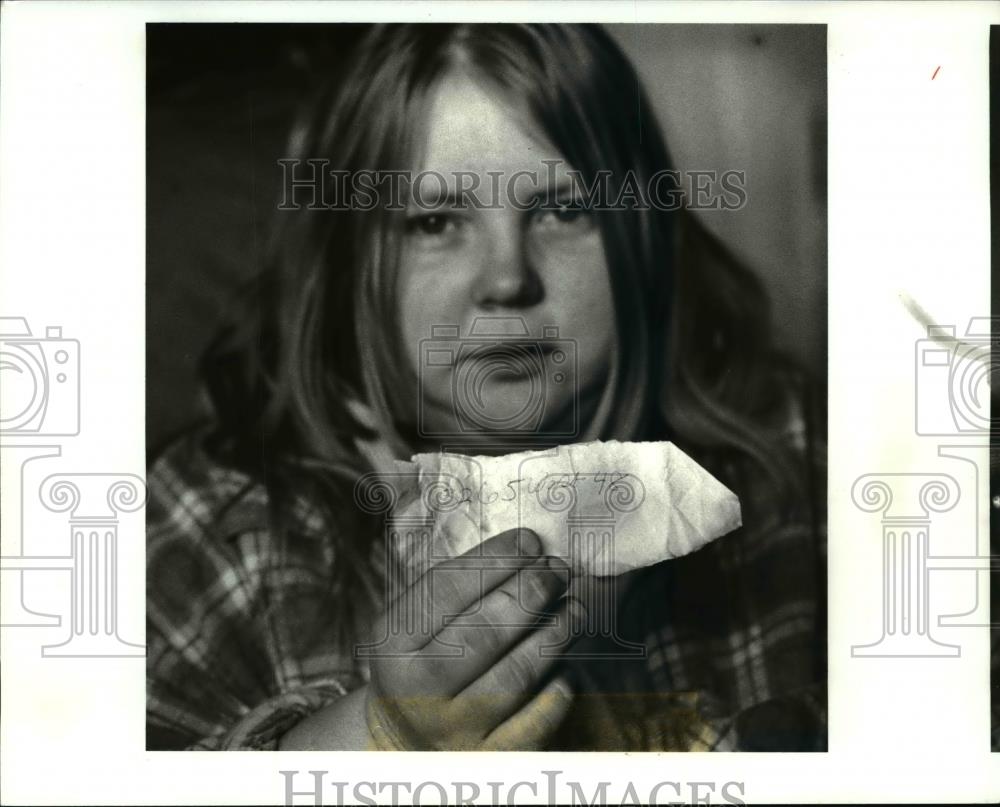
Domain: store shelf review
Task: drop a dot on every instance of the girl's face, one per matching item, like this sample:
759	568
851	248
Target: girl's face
542	268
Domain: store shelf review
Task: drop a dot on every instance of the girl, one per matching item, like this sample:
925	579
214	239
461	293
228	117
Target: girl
265	577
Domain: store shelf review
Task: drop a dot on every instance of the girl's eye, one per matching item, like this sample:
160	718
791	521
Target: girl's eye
430	224
564	215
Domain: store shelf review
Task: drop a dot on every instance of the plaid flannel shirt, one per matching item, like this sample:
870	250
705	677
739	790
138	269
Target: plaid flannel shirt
241	644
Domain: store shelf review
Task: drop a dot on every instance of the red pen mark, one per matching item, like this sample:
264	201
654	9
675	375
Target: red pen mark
935	73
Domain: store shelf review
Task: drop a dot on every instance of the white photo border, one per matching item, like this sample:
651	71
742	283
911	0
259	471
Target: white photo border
908	214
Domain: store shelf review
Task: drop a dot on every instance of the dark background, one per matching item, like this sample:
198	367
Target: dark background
220	100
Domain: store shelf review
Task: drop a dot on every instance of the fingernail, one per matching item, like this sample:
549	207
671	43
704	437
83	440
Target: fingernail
557	564
528	542
577	610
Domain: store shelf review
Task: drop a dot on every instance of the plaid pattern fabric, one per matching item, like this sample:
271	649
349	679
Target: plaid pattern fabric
241	639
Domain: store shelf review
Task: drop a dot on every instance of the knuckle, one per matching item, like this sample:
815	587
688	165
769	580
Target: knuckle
438	670
549	715
528	542
516	542
465	728
407	673
490	641
445	591
535	586
520	672
511	604
419	675
547	723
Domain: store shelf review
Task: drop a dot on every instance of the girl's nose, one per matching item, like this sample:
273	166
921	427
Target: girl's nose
507	277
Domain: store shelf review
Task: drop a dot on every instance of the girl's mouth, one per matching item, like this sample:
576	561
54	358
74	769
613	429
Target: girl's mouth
505	361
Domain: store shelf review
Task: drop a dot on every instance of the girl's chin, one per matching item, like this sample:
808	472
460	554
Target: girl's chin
441	431
492	444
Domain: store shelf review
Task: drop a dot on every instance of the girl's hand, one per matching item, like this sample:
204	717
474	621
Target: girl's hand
486	695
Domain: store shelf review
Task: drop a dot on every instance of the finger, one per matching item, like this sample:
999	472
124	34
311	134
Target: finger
531	728
487	631
507	685
454	585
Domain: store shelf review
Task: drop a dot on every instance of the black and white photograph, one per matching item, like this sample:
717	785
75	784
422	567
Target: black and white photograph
596	399
486	387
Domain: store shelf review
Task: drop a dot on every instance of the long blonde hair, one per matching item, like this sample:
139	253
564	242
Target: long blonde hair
695	363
